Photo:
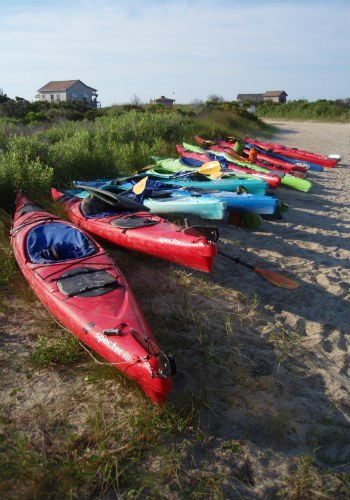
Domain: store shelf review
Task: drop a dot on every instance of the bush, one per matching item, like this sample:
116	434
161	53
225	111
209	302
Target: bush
321	110
117	142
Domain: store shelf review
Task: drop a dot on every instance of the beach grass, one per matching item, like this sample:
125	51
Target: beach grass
252	413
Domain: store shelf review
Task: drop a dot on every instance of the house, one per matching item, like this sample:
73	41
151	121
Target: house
164	101
68	90
250	97
279	96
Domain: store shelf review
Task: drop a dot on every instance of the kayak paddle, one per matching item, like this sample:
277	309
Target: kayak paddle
139	187
270	276
115	199
212	168
212	234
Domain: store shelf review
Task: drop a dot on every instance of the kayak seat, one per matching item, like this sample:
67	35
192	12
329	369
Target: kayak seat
57	241
93	206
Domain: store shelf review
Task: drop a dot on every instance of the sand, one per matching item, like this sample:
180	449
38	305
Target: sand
312	245
267	369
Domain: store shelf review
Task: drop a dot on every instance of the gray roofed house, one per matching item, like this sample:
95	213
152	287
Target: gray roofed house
68	90
250	97
279	96
276	96
164	101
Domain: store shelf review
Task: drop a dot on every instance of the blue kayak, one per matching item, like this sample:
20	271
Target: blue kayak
239	200
184	174
189	180
165	203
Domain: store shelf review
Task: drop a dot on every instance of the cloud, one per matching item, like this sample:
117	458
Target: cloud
191	49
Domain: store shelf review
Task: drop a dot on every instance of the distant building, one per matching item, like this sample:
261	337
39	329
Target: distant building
250	97
279	96
164	101
68	90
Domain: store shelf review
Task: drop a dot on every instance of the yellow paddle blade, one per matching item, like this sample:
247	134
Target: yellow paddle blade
210	168
139	187
217	175
277	279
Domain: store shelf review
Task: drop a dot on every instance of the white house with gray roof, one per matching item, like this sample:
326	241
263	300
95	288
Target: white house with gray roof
68	90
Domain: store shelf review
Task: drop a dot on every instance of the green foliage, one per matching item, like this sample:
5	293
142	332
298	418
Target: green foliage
8	269
63	350
38	111
46	147
321	110
36	117
18	170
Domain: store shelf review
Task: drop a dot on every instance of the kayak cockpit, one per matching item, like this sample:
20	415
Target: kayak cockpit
56	242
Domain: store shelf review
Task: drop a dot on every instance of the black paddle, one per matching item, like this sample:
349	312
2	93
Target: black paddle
115	199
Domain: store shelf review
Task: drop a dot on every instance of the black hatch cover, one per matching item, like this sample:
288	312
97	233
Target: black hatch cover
86	282
133	221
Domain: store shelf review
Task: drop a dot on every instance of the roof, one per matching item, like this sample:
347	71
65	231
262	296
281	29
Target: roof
163	98
250	96
274	93
61	86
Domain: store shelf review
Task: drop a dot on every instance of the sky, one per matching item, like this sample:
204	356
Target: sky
185	50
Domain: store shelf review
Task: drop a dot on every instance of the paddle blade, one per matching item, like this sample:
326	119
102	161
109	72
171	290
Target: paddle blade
139	187
215	176
210	168
277	279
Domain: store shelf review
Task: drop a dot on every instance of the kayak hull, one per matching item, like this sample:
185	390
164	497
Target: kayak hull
199	207
88	295
298	154
234	200
158	237
273	180
227	183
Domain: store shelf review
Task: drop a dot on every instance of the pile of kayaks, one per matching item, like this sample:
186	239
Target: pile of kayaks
82	287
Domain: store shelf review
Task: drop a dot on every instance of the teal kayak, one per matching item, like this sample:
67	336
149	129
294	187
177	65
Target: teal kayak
163	204
187	178
237	201
288	180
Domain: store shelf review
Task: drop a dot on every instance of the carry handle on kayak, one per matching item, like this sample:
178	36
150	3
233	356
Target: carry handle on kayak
211	233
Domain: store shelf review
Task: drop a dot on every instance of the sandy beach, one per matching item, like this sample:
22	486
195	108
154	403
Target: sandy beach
312	245
265	369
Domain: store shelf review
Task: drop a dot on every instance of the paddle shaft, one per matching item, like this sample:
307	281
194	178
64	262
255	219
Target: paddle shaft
272	277
236	259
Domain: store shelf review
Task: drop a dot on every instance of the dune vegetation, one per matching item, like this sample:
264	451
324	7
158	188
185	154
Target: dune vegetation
71	426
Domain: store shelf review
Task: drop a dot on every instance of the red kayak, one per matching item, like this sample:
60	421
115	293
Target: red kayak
298	154
271	179
87	293
262	159
142	232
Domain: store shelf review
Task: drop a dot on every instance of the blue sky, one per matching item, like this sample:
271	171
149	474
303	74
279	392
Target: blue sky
185	50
